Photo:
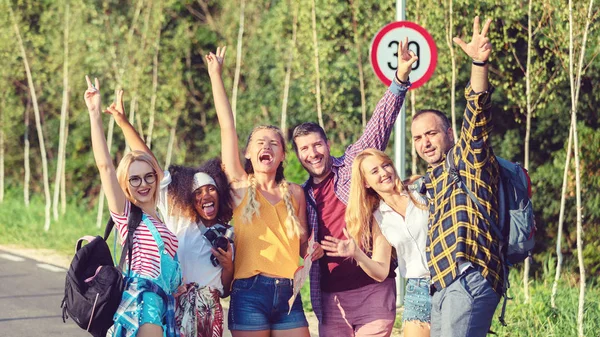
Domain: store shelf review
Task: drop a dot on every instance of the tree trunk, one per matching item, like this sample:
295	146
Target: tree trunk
361	77
170	146
63	115
317	71
575	86
449	36
26	147
561	219
238	62
136	75
63	180
38	122
288	72
154	81
526	267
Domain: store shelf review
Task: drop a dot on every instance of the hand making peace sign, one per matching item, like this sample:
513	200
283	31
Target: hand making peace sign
92	95
215	62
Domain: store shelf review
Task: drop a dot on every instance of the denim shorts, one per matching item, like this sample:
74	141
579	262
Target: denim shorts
261	303
417	301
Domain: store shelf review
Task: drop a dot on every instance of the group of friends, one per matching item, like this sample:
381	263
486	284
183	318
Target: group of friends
364	219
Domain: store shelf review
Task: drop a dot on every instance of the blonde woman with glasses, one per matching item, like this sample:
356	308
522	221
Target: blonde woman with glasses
147	305
383	213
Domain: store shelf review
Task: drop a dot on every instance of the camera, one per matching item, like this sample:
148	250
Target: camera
219	236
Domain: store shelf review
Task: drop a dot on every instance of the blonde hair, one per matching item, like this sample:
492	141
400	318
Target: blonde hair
123	173
292	223
364	201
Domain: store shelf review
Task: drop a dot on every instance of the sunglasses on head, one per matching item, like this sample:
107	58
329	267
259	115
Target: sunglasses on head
136	181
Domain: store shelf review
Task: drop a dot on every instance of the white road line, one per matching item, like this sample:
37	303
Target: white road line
51	268
12	257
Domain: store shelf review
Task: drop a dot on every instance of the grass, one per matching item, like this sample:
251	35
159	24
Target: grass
24	226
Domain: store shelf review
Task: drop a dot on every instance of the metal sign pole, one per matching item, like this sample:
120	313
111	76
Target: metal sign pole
400	153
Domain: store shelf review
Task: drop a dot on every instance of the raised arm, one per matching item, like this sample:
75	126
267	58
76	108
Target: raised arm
133	138
108	176
379	128
230	154
476	127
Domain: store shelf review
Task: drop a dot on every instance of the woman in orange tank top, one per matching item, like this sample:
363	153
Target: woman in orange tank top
269	222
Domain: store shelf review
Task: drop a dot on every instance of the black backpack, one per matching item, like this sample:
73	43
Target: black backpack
94	285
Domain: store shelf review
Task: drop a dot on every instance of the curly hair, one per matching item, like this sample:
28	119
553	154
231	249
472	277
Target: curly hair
182	198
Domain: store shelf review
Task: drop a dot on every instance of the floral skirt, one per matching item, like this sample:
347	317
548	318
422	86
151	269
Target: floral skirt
198	311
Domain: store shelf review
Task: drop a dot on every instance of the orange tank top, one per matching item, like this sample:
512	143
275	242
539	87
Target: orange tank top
263	246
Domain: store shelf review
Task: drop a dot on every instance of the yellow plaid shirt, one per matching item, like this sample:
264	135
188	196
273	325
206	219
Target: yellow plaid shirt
457	230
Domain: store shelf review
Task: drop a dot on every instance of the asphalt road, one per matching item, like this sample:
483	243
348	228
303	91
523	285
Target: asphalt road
30	297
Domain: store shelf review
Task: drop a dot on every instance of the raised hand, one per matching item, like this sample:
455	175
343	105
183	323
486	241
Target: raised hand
117	109
339	247
215	61
480	48
92	95
406	58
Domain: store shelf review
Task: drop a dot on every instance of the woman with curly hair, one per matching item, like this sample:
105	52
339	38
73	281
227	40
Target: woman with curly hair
384	213
270	225
195	205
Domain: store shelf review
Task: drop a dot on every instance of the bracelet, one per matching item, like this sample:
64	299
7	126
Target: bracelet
402	82
479	63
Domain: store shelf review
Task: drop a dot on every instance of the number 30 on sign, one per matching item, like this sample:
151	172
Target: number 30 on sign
384	52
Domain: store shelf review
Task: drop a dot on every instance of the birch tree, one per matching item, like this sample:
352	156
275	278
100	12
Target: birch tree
359	63
288	71
317	71
154	79
238	61
449	36
63	114
26	146
575	84
38	122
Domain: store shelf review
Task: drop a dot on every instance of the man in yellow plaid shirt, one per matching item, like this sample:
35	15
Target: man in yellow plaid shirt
462	251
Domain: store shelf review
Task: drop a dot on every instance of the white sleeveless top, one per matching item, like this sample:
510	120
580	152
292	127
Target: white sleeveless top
408	237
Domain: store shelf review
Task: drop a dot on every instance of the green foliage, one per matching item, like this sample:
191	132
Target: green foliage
115	41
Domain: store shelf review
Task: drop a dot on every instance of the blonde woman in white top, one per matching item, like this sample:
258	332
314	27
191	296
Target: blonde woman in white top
382	214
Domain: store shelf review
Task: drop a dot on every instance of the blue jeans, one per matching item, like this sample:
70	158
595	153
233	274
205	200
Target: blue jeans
417	301
465	308
261	303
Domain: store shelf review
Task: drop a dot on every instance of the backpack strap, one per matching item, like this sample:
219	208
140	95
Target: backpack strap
454	174
135	217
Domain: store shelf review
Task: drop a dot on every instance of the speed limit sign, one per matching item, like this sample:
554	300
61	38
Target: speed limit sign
384	52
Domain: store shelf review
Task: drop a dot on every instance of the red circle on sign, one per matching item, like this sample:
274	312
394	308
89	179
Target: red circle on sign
420	30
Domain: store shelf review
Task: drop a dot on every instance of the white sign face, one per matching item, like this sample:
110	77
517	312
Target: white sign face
384	52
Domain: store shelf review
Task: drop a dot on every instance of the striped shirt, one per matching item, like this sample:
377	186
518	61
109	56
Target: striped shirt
376	135
145	255
457	231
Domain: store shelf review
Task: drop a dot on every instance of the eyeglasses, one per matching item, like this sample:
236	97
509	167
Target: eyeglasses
136	181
